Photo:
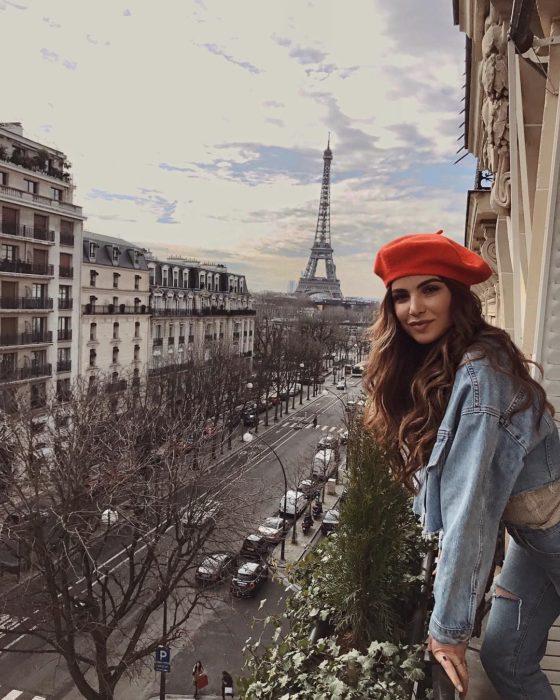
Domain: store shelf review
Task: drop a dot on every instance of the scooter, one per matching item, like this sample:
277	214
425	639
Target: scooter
306	523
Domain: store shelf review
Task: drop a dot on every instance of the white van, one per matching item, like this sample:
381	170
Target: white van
324	464
294	504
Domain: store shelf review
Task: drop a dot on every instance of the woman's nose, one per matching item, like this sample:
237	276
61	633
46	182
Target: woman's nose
416	305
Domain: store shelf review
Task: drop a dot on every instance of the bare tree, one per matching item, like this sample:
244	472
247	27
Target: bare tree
110	520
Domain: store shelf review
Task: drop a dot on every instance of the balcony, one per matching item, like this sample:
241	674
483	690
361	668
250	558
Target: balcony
66	239
158	342
64	365
36	234
171	341
65	334
25	196
91	309
65	304
119	385
191	338
26	338
181	340
25	303
16	374
66	271
26	268
172	312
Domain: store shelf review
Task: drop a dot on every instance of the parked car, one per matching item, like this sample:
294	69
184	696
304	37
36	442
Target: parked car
254	546
272	529
351	405
324	464
341	384
307	486
328	442
293	503
249	578
249	419
200	514
330	521
215	567
344	438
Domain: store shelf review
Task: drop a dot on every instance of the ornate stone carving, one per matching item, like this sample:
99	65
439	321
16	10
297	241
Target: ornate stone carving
495	106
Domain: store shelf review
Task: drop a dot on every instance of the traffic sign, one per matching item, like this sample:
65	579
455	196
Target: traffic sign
163	659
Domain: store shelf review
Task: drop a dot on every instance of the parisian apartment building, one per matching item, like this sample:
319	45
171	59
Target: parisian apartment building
89	306
195	305
115	311
40	253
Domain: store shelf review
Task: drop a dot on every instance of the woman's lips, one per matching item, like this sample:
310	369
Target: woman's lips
420	326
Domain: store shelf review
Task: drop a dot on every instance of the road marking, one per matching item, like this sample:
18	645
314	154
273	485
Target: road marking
309	425
324	427
38	697
12	695
333	428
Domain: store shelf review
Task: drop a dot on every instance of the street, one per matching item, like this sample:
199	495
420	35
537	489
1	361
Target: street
215	634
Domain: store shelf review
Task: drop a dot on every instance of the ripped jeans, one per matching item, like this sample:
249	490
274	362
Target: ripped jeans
517	631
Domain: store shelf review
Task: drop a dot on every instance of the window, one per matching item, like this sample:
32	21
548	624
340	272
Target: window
92	248
92	357
185	278
56	194
116	330
115	355
92	278
152	276
38	395
175	278
38	325
158	331
164	276
39	292
63	389
30	186
3	178
137	329
136	352
116	254
64	297
116	280
65	265
63	355
67	235
171	330
91	386
64	328
9	252
93	331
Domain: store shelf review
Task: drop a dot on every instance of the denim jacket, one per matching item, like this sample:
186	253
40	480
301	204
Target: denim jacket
482	456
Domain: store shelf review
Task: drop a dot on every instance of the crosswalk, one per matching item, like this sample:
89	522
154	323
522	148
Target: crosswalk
325	429
15	694
8	623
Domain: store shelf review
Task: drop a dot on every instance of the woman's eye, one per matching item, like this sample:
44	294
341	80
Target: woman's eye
430	289
399	299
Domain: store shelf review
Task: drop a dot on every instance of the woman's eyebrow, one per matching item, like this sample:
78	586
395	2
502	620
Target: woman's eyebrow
398	290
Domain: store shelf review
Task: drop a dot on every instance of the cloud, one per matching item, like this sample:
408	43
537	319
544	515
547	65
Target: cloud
161	208
52	23
216	50
217	123
7	4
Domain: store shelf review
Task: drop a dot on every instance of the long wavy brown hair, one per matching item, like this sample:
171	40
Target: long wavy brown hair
409	384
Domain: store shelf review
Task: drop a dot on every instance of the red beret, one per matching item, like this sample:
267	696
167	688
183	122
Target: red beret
429	254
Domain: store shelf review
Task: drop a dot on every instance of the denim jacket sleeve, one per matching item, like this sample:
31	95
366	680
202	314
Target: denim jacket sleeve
474	487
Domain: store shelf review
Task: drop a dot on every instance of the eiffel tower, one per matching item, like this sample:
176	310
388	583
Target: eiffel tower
309	282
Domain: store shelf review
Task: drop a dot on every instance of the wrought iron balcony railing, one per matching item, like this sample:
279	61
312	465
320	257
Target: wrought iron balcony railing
26	303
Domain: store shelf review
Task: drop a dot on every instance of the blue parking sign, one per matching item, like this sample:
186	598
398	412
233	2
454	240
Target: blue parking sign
163	659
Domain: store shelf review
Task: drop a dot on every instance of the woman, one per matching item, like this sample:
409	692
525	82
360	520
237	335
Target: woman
468	430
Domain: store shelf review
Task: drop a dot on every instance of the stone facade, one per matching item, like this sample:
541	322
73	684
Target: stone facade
196	304
513	127
115	300
40	245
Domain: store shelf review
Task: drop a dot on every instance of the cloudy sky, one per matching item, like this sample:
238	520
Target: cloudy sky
197	127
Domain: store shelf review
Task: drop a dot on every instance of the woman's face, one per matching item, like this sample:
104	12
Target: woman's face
422	306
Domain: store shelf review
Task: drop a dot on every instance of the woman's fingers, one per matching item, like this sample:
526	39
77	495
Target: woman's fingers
456	670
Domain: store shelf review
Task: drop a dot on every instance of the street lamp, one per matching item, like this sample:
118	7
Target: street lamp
302	367
248	438
333	369
249	386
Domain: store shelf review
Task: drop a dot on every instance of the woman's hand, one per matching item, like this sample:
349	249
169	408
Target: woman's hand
453	661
